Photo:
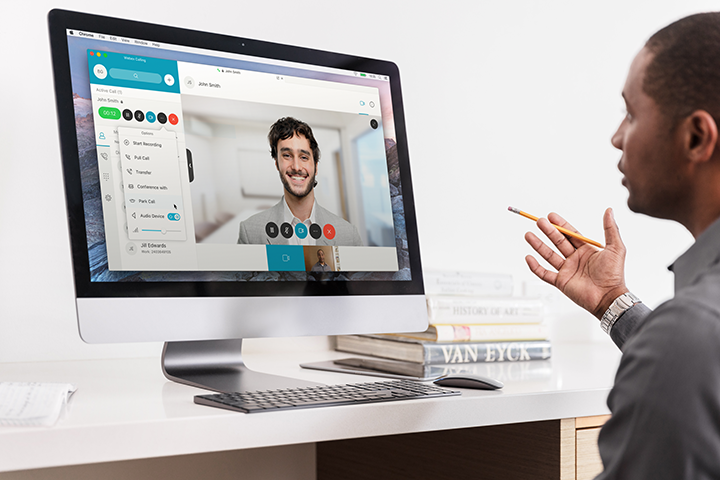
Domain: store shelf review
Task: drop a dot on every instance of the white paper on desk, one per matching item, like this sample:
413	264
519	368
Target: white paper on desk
32	403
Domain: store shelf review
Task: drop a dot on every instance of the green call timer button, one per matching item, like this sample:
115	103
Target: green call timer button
110	113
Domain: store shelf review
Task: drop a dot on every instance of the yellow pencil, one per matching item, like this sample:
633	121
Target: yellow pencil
562	230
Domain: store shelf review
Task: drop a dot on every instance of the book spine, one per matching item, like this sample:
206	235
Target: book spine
503	371
485	352
475	333
468	283
460	310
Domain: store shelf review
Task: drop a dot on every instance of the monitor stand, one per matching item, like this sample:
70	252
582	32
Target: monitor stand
218	365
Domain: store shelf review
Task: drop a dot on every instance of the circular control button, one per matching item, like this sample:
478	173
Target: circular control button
272	229
329	231
286	230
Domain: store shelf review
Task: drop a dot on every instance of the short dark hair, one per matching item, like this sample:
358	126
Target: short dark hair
287	127
684	73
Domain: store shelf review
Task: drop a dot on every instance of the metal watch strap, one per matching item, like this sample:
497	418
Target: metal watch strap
616	309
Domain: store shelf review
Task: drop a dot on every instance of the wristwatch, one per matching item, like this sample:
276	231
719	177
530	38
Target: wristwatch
617	308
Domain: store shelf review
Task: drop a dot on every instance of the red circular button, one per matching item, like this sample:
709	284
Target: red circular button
329	231
173	119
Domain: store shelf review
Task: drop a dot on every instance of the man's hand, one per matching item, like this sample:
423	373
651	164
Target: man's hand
591	277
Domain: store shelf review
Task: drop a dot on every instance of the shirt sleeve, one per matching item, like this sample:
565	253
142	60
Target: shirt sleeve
626	325
665	404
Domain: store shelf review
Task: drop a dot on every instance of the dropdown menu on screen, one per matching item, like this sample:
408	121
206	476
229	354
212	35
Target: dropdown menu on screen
151	182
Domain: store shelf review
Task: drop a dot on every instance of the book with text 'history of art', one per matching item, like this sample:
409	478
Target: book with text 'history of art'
468	284
430	353
480	332
475	310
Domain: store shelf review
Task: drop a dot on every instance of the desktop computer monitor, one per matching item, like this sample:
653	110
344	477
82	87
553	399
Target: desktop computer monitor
221	188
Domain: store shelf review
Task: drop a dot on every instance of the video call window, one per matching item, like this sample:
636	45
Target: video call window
182	184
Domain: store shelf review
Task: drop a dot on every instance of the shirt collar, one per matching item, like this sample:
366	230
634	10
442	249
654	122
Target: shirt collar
702	255
292	219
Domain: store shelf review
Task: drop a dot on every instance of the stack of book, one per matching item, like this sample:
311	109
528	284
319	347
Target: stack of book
473	319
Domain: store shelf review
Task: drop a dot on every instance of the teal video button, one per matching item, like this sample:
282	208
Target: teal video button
285	258
301	230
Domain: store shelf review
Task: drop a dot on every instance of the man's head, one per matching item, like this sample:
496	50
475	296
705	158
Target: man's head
321	256
669	133
296	154
684	74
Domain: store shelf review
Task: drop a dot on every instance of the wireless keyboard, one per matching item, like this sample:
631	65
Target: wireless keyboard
323	396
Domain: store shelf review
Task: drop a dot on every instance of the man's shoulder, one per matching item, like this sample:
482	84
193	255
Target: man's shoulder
703	294
252	229
347	233
323	215
264	216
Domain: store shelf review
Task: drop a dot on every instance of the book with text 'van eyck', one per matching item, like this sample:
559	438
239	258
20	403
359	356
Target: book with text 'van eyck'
473	310
430	353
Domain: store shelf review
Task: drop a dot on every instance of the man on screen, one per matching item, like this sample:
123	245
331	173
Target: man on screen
321	265
296	219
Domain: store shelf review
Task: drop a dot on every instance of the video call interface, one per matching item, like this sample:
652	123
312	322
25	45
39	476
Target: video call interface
178	179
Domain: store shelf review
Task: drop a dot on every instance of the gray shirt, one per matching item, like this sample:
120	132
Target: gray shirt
666	400
320	267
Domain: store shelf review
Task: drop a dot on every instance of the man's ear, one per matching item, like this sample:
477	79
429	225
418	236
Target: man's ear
700	136
276	165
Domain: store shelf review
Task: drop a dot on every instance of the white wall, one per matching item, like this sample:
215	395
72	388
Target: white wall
506	103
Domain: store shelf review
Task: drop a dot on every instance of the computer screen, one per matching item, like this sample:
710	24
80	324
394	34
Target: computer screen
221	188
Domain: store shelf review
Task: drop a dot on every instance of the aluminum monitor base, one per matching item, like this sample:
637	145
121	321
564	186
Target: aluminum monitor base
218	365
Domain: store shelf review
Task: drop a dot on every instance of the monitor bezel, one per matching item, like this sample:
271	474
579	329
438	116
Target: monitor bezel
62	20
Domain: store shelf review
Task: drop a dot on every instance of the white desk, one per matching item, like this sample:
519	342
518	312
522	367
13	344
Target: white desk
126	410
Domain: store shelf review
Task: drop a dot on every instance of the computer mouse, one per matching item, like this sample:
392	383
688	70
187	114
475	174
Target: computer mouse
468	380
